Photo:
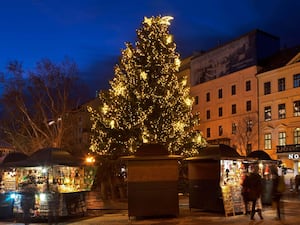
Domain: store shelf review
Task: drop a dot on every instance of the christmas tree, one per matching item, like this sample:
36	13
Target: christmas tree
147	102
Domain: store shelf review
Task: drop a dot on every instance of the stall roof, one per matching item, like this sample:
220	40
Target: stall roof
11	158
49	156
259	154
217	152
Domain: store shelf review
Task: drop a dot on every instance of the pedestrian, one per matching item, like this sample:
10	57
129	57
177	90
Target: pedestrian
276	192
245	194
28	191
254	186
53	204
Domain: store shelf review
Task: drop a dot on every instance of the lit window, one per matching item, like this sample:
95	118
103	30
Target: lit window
297	136
296	108
268	141
281	111
282	138
249	125
233	128
268	113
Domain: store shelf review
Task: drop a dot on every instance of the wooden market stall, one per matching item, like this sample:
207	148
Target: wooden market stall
7	183
215	180
152	182
45	169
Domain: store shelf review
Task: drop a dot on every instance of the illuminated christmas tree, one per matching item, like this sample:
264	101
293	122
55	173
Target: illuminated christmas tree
147	102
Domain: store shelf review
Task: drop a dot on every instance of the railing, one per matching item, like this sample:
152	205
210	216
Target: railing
288	148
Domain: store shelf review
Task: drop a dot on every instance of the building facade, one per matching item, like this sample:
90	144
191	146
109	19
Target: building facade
279	107
224	86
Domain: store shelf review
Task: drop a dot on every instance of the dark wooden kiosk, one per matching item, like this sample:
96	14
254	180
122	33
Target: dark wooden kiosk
215	169
152	182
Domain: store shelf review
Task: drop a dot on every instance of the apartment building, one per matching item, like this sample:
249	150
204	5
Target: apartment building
279	107
224	86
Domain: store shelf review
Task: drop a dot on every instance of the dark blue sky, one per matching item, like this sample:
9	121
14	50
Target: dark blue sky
93	32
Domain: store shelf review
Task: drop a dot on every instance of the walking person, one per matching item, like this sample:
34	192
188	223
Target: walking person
277	191
254	186
245	194
28	200
53	203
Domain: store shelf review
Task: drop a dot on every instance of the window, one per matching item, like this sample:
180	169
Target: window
267	88
233	109
296	108
208	132
281	84
249	126
296	80
196	100
233	128
248	85
220	93
281	138
220	111
268	141
268	113
297	136
281	111
208	96
220	130
207	114
248	106
233	90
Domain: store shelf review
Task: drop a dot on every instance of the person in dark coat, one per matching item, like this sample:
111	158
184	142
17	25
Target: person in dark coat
254	186
27	201
245	192
276	195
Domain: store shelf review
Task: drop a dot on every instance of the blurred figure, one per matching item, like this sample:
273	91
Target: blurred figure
245	194
297	183
53	203
254	186
276	193
28	191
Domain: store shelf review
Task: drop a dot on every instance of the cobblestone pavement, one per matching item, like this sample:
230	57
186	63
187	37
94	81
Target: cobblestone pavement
119	216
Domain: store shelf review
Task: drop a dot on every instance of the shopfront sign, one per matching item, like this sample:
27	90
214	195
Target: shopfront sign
294	156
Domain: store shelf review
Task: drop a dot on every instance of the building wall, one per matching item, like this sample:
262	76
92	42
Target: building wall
225	83
276	125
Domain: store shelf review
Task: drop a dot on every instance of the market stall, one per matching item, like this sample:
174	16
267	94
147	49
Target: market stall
152	178
215	180
45	169
7	175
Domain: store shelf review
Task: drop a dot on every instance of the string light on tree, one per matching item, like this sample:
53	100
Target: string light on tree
147	102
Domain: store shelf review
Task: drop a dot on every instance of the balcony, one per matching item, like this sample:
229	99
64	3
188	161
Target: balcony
288	148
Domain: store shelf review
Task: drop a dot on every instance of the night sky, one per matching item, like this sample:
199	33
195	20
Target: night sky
93	32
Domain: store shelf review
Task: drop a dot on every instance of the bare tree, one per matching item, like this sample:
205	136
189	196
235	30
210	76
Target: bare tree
36	104
245	133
